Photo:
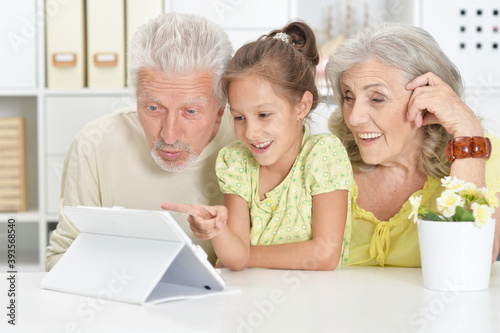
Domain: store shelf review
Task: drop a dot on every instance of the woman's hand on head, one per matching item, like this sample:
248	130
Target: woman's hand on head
206	222
434	102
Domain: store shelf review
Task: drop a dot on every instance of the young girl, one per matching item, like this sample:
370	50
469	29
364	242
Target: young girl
285	190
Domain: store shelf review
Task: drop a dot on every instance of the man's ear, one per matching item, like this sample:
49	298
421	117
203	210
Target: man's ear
304	105
220	113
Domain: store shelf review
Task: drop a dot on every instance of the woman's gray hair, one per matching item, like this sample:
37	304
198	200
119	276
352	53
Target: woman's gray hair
414	52
180	44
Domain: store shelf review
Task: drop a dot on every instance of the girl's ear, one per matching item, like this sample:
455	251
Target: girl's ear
304	105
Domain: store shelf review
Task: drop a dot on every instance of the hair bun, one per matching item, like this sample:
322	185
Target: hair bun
302	39
286	58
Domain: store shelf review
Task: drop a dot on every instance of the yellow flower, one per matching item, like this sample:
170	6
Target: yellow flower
482	213
452	183
415	204
460	201
470	189
490	197
448	202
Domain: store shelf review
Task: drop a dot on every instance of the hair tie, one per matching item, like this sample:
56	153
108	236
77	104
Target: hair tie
282	36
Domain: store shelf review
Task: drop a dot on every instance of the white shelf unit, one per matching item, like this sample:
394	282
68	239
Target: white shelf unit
54	116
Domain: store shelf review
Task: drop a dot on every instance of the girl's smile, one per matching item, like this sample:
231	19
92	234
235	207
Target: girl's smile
265	122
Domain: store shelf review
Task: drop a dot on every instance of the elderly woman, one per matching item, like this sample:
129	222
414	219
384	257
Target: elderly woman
399	106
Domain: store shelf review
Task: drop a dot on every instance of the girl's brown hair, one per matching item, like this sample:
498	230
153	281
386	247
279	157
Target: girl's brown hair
290	67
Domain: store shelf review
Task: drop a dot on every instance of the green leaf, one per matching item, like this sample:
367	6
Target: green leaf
481	201
432	216
462	214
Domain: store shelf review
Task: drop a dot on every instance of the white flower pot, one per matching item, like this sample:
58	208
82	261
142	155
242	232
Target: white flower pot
456	255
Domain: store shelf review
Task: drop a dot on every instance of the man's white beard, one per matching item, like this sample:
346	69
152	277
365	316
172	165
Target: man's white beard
172	166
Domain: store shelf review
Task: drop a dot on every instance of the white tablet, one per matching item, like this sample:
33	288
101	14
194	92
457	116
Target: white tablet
136	256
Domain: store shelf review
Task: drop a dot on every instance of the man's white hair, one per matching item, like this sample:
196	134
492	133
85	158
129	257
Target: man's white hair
180	44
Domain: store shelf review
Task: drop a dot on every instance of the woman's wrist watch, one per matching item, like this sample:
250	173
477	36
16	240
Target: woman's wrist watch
468	147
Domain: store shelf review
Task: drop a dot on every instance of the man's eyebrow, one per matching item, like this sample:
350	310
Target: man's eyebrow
185	103
201	98
152	98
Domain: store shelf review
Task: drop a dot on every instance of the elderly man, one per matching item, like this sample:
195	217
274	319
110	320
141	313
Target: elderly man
166	149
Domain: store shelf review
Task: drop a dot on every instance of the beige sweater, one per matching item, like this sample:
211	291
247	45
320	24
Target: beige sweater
109	164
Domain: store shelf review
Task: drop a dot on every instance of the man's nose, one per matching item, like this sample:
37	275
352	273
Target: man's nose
170	128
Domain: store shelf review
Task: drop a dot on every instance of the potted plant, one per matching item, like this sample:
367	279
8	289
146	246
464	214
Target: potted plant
456	240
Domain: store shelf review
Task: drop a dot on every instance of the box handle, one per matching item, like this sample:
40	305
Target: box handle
64	59
105	59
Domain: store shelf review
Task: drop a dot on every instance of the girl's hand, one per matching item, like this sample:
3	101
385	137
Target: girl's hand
206	222
434	102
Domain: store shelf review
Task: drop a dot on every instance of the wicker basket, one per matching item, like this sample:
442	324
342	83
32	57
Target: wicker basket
12	165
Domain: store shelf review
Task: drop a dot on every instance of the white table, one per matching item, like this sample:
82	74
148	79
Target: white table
353	299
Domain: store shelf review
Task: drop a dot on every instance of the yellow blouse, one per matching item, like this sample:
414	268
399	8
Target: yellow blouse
395	242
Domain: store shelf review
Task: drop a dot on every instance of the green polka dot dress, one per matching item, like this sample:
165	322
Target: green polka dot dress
285	215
